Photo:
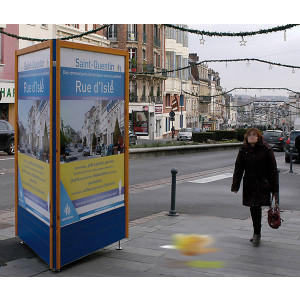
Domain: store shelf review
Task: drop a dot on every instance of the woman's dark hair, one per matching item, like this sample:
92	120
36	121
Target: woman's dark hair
260	137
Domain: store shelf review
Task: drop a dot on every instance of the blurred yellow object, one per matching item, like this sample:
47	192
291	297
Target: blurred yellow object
193	244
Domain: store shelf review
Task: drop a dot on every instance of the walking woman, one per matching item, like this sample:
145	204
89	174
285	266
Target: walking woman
256	159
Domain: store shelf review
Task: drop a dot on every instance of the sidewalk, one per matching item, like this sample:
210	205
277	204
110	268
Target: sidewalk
143	255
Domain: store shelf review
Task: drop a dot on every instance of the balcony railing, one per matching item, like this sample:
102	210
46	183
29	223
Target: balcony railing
157	41
147	69
132	36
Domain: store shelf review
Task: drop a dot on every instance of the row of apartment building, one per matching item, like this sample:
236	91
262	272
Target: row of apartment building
154	50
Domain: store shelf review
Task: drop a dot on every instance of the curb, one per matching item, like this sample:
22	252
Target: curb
174	150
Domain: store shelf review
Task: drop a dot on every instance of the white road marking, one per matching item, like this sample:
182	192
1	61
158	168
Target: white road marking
7	158
212	178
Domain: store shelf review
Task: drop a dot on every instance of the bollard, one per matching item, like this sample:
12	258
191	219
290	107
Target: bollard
291	159
173	212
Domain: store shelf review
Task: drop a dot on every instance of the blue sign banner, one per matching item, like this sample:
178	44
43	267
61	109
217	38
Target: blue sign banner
86	84
34	84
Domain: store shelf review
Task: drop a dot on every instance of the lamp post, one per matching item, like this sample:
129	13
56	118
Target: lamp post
181	104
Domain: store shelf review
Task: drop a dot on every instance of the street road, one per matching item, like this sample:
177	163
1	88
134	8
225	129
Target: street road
150	190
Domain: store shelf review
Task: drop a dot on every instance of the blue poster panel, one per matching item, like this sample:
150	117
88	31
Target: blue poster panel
92	106
34	133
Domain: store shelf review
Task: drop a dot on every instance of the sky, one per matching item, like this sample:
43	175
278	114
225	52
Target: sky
270	47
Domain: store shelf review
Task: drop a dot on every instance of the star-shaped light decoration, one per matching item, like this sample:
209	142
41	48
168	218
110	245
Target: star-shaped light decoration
202	40
293	71
248	63
270	66
243	42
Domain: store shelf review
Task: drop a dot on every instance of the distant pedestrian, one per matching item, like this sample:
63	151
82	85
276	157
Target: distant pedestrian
173	132
256	158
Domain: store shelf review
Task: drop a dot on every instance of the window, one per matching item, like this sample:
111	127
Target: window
144	54
155	59
178	65
168	104
156	31
112	31
74	25
132	32
170	62
132	53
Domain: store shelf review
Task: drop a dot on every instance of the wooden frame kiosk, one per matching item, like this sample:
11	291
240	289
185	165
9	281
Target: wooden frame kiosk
71	158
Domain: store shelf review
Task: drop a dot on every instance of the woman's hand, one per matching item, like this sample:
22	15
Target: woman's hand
276	196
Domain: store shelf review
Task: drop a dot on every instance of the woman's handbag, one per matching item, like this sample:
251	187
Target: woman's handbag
274	218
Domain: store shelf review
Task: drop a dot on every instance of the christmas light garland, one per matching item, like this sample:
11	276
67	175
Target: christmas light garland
245	88
239	34
63	38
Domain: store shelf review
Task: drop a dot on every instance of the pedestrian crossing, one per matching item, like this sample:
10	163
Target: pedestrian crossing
212	178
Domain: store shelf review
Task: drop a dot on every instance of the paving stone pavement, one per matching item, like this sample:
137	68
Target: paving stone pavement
144	256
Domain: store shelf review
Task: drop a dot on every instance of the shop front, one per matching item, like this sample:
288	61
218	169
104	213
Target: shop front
7	100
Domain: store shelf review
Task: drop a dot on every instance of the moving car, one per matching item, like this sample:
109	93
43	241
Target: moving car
185	134
7	134
291	144
276	139
86	151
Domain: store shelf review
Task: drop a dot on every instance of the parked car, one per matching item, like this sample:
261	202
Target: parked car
80	148
197	129
185	134
132	138
276	139
86	151
98	149
7	134
291	143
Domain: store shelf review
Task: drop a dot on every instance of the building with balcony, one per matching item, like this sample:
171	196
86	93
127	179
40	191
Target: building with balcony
176	56
145	45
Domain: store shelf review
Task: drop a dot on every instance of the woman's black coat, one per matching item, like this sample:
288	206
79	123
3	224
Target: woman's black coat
261	176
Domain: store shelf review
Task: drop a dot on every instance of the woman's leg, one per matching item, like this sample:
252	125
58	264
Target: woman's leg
256	218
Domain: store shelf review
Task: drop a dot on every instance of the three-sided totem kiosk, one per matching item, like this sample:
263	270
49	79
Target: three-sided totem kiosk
72	154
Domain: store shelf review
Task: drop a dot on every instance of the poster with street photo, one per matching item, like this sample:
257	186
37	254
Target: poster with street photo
91	128
34	128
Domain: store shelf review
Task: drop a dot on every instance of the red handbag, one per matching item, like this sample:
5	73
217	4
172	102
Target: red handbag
274	218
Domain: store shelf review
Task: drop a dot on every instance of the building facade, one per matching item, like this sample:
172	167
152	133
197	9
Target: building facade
145	44
176	56
8	45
